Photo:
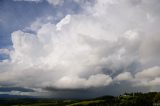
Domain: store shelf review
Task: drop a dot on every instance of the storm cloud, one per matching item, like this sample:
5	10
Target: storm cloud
109	43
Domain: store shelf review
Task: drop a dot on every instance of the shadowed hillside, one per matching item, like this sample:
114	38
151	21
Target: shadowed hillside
127	99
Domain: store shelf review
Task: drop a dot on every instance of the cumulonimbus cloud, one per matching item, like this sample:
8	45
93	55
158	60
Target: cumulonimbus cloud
111	41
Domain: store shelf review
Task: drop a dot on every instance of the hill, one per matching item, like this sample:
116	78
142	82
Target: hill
127	99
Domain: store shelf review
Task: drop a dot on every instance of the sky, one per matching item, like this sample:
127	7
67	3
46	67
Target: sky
79	48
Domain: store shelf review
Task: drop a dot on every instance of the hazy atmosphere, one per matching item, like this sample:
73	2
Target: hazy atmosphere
79	48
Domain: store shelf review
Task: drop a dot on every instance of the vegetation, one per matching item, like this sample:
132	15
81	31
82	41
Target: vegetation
127	99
